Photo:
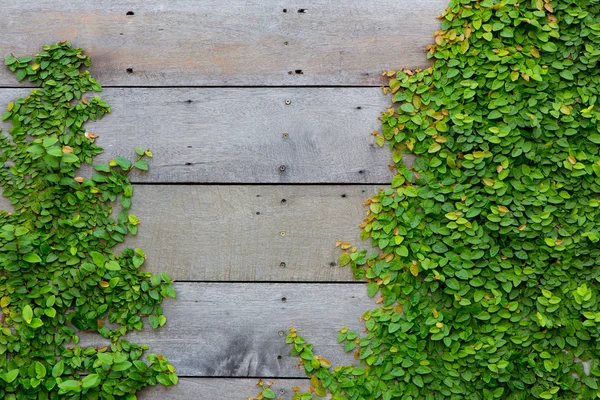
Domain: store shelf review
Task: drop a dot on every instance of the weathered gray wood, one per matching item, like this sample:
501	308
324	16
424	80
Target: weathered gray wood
238	134
220	389
238	329
213	232
238	42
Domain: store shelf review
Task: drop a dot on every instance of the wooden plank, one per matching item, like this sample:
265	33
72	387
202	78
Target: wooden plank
246	135
220	388
213	232
239	329
225	43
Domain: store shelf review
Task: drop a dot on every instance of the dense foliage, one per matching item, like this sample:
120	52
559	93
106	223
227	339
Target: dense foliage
58	272
488	262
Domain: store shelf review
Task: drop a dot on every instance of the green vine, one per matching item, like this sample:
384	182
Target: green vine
58	272
488	262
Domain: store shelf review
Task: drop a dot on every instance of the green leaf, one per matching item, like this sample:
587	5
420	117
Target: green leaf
27	314
268	394
32	258
10	376
58	369
112	266
40	370
106	358
141	165
70	386
90	381
98	258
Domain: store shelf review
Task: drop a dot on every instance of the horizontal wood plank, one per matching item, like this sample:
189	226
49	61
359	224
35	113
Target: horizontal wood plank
239	329
245	233
245	135
281	233
220	389
225	43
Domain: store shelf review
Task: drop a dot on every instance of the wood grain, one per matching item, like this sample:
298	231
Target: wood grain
234	233
228	43
245	135
239	329
220	389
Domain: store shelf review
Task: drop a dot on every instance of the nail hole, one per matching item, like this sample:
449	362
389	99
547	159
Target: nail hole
362	171
129	13
258	195
188	163
285	10
283	299
332	264
299	72
189	147
343	196
279	357
129	70
282	265
189	101
121	34
258	213
290	72
301	10
283	201
286	43
359	108
282	168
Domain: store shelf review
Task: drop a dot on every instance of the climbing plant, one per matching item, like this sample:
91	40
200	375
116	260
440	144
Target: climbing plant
488	259
59	274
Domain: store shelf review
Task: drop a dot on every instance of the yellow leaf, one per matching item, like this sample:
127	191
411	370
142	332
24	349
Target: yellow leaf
440	139
434	148
503	209
548	7
572	160
439	324
414	270
35	66
534	52
67	149
346	245
478	154
325	362
11	105
489	182
4	301
399	308
104	284
435	313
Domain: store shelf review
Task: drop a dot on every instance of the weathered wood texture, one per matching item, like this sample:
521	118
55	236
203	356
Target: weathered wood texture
239	329
239	134
220	389
214	42
234	233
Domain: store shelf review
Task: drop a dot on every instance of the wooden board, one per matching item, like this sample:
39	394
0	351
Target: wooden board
213	232
220	389
228	43
239	329
246	135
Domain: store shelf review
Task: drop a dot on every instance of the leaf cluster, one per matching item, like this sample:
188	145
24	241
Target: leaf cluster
488	264
59	275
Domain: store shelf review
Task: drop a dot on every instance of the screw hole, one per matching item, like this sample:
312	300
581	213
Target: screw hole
129	13
188	163
362	171
286	43
343	196
129	70
299	72
258	213
189	101
302	11
359	108
283	299
285	10
279	357
283	201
